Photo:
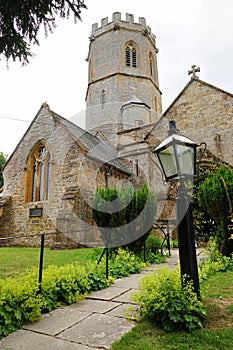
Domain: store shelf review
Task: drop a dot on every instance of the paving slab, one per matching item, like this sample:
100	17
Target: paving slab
56	321
26	340
91	324
107	293
130	282
126	297
98	331
97	306
122	309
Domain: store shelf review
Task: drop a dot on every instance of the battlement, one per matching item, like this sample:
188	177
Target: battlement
117	23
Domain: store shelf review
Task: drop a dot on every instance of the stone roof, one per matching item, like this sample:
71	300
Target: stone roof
134	101
97	148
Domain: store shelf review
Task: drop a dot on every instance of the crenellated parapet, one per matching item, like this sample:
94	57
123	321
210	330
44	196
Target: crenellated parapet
117	23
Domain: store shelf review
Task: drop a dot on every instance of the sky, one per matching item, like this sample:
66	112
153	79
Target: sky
187	32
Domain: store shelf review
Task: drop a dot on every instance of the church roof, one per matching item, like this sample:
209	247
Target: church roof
96	147
136	101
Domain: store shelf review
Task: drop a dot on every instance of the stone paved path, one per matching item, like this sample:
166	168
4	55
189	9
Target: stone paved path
93	323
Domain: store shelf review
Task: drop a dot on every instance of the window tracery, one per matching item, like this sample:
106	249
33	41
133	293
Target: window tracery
131	55
38	174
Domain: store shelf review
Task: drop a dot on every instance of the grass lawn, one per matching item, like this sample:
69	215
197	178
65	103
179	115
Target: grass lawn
217	332
16	260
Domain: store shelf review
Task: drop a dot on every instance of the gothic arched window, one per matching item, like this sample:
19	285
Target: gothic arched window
151	62
38	174
131	55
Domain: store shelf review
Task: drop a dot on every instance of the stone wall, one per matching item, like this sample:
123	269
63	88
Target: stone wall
72	173
108	72
204	113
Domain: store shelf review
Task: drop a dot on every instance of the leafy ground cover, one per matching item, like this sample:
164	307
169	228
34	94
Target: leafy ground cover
22	302
217	331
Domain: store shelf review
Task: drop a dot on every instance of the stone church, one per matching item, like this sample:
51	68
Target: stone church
50	178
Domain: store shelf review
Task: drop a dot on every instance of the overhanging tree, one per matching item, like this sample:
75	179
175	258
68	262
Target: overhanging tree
125	216
20	21
215	195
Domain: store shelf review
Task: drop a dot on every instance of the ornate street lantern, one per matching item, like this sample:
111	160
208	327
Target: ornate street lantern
177	156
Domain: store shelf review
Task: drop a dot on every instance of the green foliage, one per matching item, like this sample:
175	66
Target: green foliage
124	263
216	262
21	20
154	244
154	250
152	258
20	302
205	226
15	260
145	336
124	215
174	243
170	305
63	285
215	195
2	163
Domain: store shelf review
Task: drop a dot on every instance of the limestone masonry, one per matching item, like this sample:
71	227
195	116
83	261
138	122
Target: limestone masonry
51	177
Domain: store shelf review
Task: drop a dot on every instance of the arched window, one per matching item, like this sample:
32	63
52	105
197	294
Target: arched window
151	64
103	98
131	55
90	71
38	174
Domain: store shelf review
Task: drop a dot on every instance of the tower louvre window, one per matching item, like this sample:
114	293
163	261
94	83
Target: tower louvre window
127	56
134	58
131	56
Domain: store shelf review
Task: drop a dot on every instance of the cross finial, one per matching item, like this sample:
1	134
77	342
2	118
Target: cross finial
45	105
193	71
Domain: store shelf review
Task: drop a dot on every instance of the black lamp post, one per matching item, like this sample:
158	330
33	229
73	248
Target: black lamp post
177	156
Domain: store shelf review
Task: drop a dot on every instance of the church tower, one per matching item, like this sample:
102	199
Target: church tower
123	87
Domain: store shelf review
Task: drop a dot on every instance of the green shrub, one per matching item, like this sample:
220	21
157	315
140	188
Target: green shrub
19	302
153	244
171	306
97	280
152	258
216	262
124	263
63	285
174	243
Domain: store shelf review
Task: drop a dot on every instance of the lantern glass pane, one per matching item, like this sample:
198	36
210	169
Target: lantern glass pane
167	159
185	156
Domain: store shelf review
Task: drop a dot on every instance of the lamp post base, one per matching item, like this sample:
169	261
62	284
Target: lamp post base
187	250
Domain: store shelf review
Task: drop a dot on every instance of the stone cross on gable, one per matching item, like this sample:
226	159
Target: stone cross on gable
193	71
